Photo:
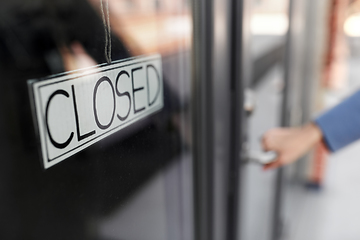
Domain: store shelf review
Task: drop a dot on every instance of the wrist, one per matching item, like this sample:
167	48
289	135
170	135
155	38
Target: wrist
313	133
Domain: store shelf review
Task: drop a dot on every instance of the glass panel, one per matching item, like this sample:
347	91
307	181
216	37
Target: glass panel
268	26
134	184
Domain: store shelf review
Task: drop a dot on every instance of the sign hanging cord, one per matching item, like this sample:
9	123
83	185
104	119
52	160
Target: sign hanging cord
106	21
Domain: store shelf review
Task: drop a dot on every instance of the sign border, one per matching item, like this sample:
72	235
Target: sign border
36	85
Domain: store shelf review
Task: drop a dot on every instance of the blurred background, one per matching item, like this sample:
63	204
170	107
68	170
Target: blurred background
321	190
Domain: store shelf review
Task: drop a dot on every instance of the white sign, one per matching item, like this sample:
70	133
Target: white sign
75	110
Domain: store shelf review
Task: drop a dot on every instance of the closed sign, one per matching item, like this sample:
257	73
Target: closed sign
76	110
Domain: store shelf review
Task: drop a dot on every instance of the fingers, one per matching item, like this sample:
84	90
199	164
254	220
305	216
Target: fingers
266	146
277	163
272	140
276	140
267	141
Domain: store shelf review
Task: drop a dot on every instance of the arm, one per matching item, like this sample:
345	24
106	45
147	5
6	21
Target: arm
338	127
290	143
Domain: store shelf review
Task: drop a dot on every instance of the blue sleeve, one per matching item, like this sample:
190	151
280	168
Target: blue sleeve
341	125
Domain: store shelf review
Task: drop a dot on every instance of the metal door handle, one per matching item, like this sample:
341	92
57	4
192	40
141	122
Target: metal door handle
261	157
255	156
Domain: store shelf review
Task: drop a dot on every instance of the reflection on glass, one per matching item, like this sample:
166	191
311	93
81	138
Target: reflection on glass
269	24
150	26
135	184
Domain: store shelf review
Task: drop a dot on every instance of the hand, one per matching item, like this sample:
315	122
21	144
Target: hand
290	143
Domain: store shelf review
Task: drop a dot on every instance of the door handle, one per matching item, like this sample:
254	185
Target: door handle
261	157
257	157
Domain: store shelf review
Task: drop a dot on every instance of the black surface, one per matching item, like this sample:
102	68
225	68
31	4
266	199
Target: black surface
63	201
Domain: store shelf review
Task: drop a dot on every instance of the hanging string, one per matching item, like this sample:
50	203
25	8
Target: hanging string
109	30
106	22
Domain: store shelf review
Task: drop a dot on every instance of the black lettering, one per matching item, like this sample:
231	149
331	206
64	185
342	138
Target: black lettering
79	136
56	144
148	87
127	94
103	79
136	89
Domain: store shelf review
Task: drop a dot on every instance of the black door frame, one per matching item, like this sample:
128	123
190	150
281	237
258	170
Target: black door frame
203	119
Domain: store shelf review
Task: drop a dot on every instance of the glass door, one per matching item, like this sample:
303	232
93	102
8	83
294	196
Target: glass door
268	27
111	174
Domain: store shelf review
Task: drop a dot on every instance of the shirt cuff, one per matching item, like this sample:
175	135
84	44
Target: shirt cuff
340	125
